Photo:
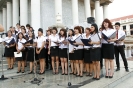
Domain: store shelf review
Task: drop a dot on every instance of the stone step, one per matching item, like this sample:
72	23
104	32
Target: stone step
118	78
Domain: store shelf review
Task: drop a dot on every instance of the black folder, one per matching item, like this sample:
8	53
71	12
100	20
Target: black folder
29	41
11	42
111	37
122	38
85	42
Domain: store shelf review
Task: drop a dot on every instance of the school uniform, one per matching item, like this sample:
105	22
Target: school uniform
9	51
95	50
87	51
62	47
71	48
54	48
78	50
39	41
20	44
119	48
108	47
30	51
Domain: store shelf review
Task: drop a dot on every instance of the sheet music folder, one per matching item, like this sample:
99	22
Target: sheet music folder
85	42
16	54
122	38
111	37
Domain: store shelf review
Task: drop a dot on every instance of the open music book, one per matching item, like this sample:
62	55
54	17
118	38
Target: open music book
122	38
110	37
16	54
85	42
12	41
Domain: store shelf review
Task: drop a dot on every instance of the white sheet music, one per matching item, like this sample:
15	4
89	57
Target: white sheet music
18	55
113	35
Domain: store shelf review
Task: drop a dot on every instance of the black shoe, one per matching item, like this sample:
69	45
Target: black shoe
110	76
127	70
30	72
94	78
98	78
106	76
118	69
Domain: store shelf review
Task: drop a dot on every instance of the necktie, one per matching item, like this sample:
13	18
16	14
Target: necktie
117	34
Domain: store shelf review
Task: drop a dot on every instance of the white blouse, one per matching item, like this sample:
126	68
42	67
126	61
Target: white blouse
71	47
40	41
20	43
61	45
95	38
108	33
75	37
85	37
53	39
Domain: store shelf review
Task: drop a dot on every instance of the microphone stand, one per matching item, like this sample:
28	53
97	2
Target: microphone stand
35	80
69	84
2	76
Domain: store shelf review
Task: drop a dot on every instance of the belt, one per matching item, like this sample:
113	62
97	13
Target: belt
86	48
77	49
95	48
54	47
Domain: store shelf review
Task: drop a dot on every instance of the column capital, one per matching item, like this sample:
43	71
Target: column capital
105	3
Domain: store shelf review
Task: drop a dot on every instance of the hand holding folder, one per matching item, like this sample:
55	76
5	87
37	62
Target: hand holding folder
86	42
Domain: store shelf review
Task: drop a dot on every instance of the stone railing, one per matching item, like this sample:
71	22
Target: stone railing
128	46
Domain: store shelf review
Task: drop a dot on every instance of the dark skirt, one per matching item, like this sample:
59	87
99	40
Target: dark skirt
54	51
30	54
108	51
9	52
42	54
23	57
78	54
95	54
87	56
63	53
71	56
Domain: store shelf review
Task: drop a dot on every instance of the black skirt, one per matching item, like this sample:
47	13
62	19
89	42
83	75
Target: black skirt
108	51
71	56
42	54
30	54
9	52
54	51
87	56
95	54
63	53
78	54
23	56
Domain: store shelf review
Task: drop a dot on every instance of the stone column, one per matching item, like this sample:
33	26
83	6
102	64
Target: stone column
35	15
1	17
58	11
9	15
75	12
97	12
15	12
4	19
87	9
105	10
92	12
24	12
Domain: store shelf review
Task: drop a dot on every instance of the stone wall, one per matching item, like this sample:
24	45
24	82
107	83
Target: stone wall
48	13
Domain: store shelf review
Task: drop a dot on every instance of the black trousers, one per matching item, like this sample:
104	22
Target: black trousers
120	49
48	59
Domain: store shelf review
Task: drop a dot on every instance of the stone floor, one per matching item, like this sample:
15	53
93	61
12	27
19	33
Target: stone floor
58	81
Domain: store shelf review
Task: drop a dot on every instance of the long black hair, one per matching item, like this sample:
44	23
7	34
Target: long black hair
72	32
64	35
18	36
96	28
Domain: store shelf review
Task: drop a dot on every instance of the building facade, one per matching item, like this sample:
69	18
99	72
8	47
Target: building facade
45	13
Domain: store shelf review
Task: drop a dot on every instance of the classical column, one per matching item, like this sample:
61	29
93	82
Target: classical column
9	15
58	11
15	12
1	17
97	12
24	12
128	29
87	9
92	12
4	19
75	12
105	10
35	14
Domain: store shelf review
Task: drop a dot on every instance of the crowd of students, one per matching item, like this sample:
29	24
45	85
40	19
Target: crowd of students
56	47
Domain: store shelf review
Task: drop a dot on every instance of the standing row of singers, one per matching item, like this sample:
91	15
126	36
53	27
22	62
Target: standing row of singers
86	50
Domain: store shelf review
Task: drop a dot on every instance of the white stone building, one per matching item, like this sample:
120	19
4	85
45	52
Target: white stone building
45	13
